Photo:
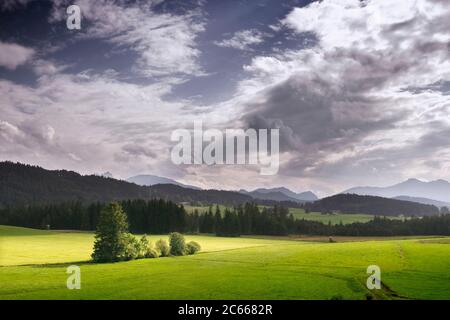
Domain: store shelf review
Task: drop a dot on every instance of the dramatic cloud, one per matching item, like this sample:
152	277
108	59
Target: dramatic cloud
330	100
164	42
358	89
13	55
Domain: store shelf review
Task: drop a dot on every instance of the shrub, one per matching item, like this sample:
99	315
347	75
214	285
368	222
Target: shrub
151	253
192	247
132	247
162	247
177	244
145	246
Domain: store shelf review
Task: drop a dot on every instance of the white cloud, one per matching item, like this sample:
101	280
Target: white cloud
339	100
368	102
165	43
13	55
242	40
43	67
9	132
89	121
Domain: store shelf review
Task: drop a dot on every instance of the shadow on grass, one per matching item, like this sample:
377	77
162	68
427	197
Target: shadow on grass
59	264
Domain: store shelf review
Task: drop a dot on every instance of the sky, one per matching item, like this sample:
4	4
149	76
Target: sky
358	89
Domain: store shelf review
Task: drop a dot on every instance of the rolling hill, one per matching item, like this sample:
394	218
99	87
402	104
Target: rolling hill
357	204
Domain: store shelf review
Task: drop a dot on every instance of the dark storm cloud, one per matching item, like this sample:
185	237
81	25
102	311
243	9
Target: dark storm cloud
439	86
8	5
313	113
377	162
350	89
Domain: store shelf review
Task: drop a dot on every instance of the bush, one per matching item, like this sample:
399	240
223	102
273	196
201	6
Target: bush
132	248
145	246
177	244
151	253
162	247
192	247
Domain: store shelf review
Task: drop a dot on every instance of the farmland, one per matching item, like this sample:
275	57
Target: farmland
34	267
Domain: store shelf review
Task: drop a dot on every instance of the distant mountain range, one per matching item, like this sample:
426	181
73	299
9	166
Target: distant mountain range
281	194
150	180
416	190
272	194
22	184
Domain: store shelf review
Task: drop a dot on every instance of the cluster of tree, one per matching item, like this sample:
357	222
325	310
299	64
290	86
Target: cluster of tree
244	220
353	203
383	226
153	216
113	242
161	217
249	219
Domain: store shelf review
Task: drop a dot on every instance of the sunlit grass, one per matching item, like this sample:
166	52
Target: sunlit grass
227	268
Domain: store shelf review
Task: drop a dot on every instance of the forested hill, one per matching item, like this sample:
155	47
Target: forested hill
24	184
352	203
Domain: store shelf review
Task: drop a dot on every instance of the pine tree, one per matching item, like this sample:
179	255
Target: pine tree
110	240
218	221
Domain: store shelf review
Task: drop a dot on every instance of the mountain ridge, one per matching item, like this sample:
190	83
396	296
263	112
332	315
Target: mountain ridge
22	184
436	190
281	194
150	180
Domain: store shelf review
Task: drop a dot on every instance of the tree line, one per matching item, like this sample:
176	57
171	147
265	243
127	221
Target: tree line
162	217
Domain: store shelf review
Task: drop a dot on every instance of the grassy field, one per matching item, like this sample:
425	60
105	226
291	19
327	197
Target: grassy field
299	213
34	267
203	209
334	218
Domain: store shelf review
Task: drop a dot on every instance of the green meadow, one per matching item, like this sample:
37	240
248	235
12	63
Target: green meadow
299	213
334	218
33	265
